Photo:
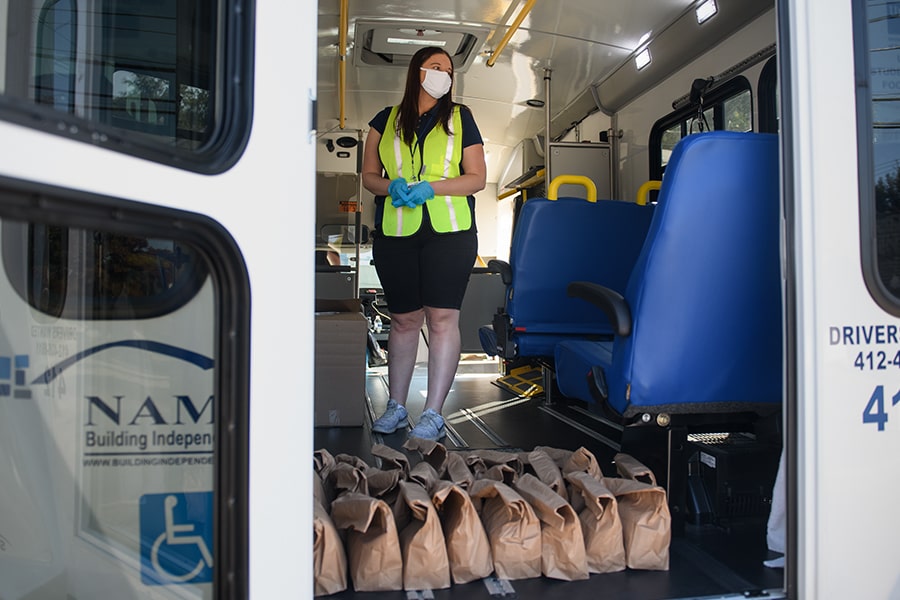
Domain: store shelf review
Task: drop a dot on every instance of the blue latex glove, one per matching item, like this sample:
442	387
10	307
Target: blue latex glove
421	192
398	190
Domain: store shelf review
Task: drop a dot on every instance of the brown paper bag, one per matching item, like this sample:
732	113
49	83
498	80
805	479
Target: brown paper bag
351	460
512	528
348	477
579	460
434	453
559	455
372	543
391	459
424	474
585	461
383	484
600	524
319	493
489	458
504	473
629	467
562	542
468	547
329	559
422	545
474	463
547	471
646	523
323	463
458	471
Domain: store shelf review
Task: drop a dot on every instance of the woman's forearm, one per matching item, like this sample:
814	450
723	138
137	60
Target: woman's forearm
464	185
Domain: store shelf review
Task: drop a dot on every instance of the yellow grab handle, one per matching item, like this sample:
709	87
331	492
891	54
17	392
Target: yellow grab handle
508	193
553	190
523	186
644	190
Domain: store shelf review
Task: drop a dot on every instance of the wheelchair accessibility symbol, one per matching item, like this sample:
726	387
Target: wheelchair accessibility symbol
176	538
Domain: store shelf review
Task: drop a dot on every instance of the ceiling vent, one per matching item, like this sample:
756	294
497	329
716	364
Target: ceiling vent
392	43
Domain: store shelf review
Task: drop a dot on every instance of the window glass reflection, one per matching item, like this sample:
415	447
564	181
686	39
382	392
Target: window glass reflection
884	83
145	68
108	418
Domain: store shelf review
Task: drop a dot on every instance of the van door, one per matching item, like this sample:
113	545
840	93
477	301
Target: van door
840	159
138	137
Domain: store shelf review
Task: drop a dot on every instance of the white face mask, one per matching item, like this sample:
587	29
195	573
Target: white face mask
436	83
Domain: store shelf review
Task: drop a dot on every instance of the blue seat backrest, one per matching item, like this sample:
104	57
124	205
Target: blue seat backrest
559	241
705	293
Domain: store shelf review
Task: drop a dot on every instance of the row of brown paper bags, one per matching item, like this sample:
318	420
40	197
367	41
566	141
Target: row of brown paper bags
466	514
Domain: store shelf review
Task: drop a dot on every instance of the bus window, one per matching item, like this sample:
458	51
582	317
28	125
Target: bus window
144	78
767	92
123	402
670	139
54	82
878	109
110	276
737	113
728	107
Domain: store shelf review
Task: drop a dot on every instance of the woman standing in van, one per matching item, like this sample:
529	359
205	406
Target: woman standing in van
424	160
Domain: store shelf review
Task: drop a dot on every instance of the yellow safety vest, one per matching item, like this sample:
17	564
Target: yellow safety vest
440	159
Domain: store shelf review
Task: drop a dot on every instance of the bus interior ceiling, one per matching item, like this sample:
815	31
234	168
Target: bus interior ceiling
582	54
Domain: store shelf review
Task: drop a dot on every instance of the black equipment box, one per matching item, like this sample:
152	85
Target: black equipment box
730	478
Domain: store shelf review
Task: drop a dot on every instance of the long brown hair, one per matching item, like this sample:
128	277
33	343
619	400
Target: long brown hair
408	115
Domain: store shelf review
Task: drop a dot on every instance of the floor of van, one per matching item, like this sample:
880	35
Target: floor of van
705	561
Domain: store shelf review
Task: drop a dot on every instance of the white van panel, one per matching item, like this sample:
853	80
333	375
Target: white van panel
264	202
847	516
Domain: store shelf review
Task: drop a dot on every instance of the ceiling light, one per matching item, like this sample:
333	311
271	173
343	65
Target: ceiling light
535	102
644	38
642	59
706	11
416	41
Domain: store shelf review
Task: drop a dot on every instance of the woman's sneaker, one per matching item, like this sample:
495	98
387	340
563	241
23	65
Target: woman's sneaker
429	427
394	418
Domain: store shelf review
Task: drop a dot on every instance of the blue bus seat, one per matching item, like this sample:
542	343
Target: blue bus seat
556	242
699	327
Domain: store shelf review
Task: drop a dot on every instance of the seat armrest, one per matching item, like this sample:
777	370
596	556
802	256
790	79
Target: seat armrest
609	301
502	267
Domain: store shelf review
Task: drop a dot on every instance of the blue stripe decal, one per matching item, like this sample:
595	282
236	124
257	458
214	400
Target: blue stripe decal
201	361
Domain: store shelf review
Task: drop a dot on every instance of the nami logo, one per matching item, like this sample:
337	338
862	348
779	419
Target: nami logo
138	420
182	354
12	376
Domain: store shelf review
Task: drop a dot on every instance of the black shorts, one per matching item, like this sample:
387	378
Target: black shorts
425	269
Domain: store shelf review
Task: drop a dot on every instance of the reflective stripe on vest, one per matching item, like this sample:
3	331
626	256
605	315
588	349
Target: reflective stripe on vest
440	160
